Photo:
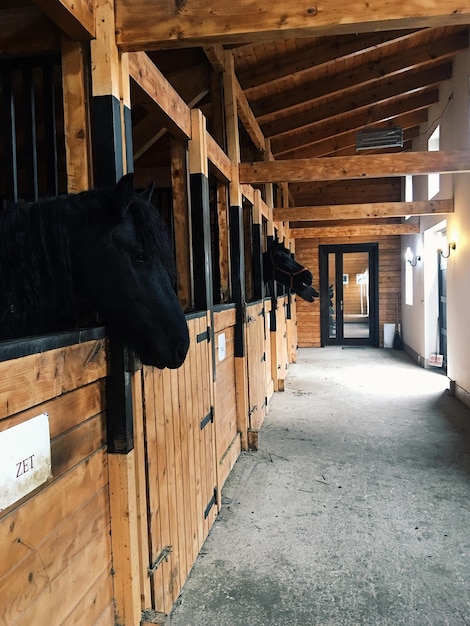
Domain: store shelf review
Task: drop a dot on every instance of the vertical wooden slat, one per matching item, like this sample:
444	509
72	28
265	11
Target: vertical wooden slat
141	490
125	540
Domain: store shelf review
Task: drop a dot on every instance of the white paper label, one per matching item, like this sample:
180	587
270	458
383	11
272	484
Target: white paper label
25	459
221	346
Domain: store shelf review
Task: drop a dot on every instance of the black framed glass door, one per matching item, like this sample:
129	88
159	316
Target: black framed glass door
349	294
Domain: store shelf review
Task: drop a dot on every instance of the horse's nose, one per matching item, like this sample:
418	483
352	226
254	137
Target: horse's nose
181	351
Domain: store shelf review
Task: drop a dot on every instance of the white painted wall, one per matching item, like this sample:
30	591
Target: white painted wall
419	323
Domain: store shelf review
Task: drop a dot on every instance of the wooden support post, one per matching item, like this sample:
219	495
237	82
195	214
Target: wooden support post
180	189
112	154
236	248
199	185
77	131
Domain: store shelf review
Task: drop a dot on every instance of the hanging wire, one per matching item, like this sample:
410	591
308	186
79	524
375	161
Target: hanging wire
451	97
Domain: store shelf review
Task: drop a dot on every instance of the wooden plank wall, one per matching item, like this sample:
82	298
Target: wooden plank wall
308	314
57	539
180	464
279	346
256	356
226	433
267	348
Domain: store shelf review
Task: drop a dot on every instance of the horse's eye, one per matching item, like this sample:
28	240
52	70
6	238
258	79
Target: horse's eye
139	257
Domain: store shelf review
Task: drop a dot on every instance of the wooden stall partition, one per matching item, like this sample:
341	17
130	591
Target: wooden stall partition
256	355
55	541
225	409
180	465
267	350
279	352
291	327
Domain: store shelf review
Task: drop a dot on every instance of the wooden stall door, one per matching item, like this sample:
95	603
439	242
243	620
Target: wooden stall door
180	465
257	392
279	346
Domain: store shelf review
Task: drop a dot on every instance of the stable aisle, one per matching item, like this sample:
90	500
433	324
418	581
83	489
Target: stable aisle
355	510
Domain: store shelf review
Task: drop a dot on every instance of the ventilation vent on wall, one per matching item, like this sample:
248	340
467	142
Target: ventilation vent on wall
379	138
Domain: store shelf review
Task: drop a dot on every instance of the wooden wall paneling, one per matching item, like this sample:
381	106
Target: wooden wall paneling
291	323
281	343
37	378
158	471
269	376
125	536
55	539
188	427
141	489
196	412
256	371
226	434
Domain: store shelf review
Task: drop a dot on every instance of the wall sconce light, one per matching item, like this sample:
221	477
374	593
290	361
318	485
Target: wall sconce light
450	246
414	260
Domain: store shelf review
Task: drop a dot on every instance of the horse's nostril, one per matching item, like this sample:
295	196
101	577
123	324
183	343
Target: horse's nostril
181	351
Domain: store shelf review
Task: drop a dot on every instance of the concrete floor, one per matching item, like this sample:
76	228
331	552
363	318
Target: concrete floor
356	509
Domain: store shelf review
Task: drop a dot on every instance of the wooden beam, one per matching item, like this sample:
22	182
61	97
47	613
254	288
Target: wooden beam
357	98
215	56
219	159
176	113
355	167
248	119
370	210
191	23
26	31
76	18
373	67
374	230
356	120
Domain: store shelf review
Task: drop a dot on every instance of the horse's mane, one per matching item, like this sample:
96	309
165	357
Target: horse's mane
37	287
35	269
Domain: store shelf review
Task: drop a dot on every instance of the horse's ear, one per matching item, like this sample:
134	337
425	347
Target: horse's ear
122	196
147	193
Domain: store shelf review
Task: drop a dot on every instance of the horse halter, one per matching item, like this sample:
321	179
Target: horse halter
283	271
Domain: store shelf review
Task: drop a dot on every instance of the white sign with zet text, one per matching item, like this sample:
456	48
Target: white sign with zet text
25	459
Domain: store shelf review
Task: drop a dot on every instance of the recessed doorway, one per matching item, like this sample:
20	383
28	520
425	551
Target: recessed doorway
349	294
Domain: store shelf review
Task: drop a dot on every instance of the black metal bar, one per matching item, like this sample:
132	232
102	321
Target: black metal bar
9	133
204	336
258	285
52	173
108	168
30	145
209	419
237	264
273	291
200	221
128	138
210	504
107	139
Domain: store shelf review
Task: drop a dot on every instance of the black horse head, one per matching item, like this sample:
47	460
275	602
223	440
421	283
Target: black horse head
107	248
126	268
280	265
